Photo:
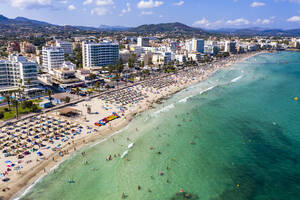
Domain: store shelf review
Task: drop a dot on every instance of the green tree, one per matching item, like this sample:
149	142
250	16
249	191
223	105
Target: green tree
34	108
8	100
92	76
27	104
77	90
28	81
16	104
111	68
49	93
141	64
97	86
67	99
131	63
1	115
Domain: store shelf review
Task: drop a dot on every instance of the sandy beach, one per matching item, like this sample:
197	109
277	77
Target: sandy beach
126	102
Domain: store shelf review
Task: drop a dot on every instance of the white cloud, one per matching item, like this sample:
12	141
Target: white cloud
207	24
149	4
263	21
126	10
99	11
71	7
238	22
22	4
86	2
179	3
294	19
146	13
202	22
104	2
257	4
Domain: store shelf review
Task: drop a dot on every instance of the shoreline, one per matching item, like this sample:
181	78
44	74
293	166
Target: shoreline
28	179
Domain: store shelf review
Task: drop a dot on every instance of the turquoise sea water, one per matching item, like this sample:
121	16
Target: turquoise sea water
234	136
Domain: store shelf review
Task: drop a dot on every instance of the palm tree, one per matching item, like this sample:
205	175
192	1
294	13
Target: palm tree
8	100
28	81
49	93
16	103
77	91
21	82
97	86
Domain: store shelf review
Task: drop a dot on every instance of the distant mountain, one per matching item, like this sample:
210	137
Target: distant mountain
24	26
23	19
257	31
113	28
3	18
167	28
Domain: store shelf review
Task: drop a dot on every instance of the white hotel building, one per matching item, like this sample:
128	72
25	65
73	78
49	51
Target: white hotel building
66	46
98	55
53	58
17	68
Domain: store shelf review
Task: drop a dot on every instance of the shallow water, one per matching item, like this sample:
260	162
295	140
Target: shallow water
244	128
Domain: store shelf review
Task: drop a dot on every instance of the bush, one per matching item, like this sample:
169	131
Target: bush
1	115
27	104
34	108
67	99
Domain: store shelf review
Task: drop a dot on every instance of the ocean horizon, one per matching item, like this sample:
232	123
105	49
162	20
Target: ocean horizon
232	136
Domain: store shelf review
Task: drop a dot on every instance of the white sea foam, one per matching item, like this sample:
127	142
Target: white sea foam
110	136
236	79
210	88
185	99
164	109
24	192
124	154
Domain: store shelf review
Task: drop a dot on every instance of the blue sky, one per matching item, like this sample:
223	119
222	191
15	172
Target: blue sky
210	14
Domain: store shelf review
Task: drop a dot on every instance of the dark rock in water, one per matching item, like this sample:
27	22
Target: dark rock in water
184	195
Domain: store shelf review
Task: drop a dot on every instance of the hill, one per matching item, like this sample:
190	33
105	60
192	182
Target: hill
173	28
256	31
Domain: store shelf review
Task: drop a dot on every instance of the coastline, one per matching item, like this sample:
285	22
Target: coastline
29	178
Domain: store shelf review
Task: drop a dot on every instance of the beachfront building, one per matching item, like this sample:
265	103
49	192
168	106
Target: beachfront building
161	58
66	46
98	55
52	57
188	46
198	45
180	58
18	72
195	56
230	47
143	42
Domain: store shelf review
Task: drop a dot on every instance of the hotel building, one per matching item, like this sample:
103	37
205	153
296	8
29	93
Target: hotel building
53	58
198	45
98	55
66	46
17	72
143	42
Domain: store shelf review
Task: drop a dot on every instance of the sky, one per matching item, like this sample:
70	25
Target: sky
207	14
